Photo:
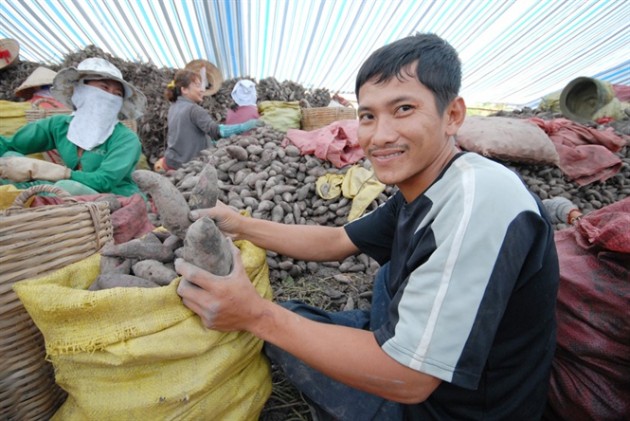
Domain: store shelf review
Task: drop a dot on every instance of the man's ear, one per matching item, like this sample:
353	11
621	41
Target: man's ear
455	115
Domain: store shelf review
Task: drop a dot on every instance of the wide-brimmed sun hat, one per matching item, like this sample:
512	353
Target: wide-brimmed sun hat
9	52
42	76
134	101
214	78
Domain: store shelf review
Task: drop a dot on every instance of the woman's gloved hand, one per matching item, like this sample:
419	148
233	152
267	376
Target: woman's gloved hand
562	210
234	129
19	169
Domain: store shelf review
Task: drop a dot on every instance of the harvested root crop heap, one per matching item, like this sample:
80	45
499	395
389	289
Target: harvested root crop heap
257	174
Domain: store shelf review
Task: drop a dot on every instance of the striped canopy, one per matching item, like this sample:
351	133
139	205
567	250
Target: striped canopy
513	51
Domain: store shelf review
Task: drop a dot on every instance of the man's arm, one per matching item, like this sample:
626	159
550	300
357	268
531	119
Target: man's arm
303	242
348	355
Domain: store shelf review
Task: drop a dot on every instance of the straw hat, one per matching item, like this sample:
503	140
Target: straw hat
214	77
9	52
41	76
96	68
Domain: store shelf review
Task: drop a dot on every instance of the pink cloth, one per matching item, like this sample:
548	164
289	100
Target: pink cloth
590	370
49	103
130	221
241	114
336	142
586	154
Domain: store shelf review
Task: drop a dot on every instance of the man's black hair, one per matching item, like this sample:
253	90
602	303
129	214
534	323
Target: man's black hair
439	68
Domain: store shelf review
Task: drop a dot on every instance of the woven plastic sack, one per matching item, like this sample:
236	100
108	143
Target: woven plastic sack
281	115
140	354
508	139
590	374
8	193
12	116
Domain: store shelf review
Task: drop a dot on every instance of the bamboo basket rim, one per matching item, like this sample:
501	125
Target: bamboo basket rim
317	117
20	200
37	113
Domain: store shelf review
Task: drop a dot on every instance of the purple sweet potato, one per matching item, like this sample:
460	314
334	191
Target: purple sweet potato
114	280
147	247
205	193
172	207
154	271
206	247
115	264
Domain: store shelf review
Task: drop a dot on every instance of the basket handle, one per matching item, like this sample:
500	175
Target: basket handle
20	199
35	104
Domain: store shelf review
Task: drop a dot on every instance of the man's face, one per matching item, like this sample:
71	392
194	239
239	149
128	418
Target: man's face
108	85
402	133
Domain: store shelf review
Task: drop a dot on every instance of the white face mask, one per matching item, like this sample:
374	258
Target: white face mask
95	118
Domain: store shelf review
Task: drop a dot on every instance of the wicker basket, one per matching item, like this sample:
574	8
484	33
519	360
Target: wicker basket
314	118
37	113
34	242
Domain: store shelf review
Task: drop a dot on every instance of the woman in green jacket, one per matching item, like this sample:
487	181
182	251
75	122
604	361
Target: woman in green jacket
99	153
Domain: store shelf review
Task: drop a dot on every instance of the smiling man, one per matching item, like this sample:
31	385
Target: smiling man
462	319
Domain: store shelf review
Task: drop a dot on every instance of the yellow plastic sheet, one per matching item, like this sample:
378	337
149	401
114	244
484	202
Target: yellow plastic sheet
140	354
358	184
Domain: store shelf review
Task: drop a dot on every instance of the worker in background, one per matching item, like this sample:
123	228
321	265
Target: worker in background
462	323
562	210
245	96
36	88
99	153
191	129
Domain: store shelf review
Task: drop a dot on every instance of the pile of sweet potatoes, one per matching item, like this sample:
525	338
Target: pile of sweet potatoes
148	261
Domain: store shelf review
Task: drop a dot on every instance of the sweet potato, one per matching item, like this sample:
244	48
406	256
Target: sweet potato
147	247
205	246
114	280
205	193
173	242
172	207
115	264
154	271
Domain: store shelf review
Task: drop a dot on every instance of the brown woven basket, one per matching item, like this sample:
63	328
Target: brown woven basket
34	242
37	113
314	118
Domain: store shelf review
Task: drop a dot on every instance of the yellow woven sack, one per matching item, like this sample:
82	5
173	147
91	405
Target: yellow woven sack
281	115
12	116
140	354
8	193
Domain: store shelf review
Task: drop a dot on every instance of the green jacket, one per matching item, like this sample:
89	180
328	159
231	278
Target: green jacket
106	168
